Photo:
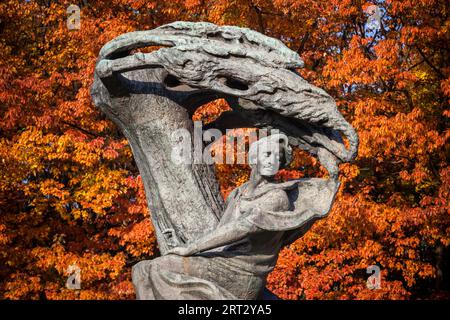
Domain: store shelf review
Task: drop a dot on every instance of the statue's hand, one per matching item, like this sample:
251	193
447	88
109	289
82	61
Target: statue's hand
183	251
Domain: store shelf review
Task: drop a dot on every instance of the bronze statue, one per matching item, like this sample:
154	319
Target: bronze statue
211	249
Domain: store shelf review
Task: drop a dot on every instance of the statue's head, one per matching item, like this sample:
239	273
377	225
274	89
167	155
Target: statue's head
269	154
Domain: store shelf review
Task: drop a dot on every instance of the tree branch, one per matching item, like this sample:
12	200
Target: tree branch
440	74
81	129
259	15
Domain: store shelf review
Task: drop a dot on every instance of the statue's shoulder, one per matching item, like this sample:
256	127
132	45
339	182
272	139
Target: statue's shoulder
281	199
275	199
276	193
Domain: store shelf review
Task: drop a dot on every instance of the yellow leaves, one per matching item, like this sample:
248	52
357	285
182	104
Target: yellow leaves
53	188
78	213
99	188
422	75
87	153
63	144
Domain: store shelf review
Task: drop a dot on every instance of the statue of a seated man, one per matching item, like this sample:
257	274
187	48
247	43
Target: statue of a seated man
212	250
233	261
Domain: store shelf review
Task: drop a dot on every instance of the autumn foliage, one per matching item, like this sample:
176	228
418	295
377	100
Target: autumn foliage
70	192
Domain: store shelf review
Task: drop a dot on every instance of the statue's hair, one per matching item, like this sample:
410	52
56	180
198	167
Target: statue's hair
279	138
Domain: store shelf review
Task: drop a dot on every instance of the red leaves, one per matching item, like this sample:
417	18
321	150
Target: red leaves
70	193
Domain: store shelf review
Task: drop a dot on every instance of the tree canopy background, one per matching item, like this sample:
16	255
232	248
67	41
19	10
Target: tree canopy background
70	193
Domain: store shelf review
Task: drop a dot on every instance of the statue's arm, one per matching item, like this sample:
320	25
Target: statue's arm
226	234
235	230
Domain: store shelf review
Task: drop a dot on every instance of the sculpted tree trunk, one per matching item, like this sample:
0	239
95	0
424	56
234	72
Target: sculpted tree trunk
149	96
148	112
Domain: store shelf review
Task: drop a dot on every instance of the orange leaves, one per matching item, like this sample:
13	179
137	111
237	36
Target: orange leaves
138	239
94	268
63	168
4	239
349	172
70	192
406	140
192	3
22	286
211	111
52	188
353	68
330	261
98	189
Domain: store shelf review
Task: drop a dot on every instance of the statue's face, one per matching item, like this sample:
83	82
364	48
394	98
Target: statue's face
268	161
